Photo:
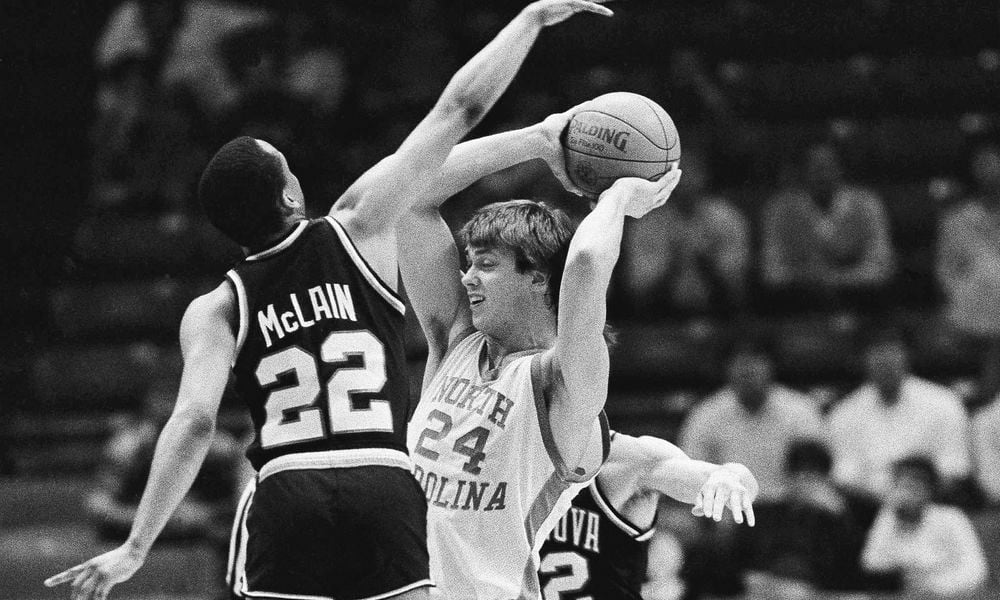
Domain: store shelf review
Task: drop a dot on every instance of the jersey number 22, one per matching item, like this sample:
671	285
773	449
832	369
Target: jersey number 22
280	427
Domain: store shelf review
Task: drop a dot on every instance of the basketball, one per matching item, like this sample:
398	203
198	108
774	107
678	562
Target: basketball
619	135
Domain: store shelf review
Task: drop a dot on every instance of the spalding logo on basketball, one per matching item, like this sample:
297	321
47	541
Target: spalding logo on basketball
619	135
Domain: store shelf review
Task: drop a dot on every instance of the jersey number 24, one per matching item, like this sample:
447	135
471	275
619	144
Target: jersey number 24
281	427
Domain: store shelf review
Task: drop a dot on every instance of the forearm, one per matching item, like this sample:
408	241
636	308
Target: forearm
482	80
595	248
470	161
180	451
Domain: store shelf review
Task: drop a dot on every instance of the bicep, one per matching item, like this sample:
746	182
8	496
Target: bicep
208	347
431	270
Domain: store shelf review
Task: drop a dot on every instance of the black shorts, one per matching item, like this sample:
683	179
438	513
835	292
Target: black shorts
341	533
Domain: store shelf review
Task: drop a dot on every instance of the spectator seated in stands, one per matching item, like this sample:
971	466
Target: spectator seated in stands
752	420
205	514
933	547
895	414
968	262
986	450
692	257
814	536
825	243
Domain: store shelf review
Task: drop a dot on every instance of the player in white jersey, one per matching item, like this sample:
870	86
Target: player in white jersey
509	425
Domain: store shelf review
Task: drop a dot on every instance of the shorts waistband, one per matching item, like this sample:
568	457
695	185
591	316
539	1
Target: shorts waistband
332	459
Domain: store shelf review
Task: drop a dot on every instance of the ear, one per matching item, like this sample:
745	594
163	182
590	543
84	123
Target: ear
290	204
539	280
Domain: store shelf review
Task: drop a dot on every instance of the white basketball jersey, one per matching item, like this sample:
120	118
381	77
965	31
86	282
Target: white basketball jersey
495	484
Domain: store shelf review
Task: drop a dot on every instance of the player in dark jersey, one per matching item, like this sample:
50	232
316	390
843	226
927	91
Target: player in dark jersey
598	550
311	328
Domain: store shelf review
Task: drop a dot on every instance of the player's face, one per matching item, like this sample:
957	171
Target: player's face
887	365
293	189
498	293
750	374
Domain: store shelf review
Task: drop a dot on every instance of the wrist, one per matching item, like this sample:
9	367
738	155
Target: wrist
136	548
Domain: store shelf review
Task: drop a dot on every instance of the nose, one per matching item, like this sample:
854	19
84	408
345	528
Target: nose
469	277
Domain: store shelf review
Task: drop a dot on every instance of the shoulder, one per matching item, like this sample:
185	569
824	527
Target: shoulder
209	311
945	513
860	197
963	213
720	209
712	407
787	399
854	404
932	396
784	198
988	418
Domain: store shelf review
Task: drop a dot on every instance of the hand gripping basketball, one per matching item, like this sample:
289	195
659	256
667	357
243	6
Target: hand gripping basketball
640	196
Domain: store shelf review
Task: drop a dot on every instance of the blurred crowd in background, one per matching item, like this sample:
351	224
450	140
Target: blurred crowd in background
820	300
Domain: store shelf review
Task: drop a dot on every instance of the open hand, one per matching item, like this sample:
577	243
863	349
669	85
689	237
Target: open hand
93	579
641	196
551	12
725	488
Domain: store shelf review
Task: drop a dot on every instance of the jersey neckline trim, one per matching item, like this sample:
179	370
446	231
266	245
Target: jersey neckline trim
285	243
369	274
637	533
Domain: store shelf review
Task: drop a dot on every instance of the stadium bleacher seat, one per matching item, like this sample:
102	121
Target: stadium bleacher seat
127	310
97	377
113	246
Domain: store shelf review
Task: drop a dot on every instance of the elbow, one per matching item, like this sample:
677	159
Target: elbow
464	108
197	423
590	260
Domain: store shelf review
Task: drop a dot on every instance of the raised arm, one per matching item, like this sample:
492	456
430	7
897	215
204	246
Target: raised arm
641	469
574	372
428	258
208	346
371	207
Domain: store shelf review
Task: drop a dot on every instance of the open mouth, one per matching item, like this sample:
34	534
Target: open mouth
475	300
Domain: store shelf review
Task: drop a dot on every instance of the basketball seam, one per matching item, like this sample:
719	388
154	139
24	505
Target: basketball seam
662	126
633	127
633	160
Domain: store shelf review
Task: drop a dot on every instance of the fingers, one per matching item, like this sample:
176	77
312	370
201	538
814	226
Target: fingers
699	506
748	510
594	7
79	582
67	575
719	504
736	506
93	587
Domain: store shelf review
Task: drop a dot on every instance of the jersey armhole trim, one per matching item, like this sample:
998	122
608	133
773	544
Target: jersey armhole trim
544	425
369	274
244	309
636	533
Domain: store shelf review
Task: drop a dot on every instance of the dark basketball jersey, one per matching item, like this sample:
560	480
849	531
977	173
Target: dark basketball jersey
320	364
593	553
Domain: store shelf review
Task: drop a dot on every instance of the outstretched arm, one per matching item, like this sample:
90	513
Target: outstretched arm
574	373
428	258
371	207
208	346
640	470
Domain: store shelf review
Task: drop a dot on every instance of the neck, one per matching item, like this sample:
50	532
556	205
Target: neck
273	239
527	337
